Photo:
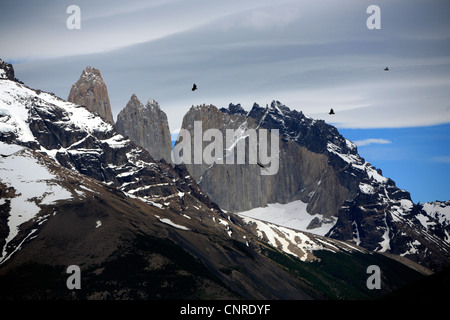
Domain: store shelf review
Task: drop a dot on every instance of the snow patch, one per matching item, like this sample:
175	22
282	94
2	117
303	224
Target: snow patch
439	210
366	188
357	162
172	224
290	241
291	215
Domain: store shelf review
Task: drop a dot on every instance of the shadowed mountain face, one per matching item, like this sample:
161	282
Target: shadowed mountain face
322	170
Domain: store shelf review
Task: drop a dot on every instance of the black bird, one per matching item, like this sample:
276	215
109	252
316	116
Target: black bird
331	111
260	164
194	87
386	69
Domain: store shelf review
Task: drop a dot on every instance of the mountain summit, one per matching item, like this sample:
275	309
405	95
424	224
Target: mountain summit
90	91
147	126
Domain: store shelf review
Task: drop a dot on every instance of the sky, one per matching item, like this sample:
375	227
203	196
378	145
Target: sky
310	55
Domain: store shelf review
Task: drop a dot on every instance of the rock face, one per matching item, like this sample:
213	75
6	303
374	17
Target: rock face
300	168
147	126
321	168
90	91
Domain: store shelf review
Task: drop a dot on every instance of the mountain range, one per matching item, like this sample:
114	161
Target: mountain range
75	191
323	183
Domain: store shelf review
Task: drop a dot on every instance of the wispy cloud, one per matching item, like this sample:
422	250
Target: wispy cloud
366	142
441	159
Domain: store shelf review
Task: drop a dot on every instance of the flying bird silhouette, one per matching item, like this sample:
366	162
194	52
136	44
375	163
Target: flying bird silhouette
194	87
386	69
260	164
331	111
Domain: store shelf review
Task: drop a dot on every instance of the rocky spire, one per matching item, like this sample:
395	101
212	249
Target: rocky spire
91	91
147	126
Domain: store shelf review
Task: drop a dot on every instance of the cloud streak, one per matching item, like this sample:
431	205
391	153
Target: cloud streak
367	142
441	159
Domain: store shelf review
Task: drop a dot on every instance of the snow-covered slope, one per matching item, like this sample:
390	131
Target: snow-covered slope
34	186
31	184
295	242
440	211
17	101
292	215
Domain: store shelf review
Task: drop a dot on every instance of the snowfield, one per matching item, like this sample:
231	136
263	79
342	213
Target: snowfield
172	224
439	210
292	215
34	186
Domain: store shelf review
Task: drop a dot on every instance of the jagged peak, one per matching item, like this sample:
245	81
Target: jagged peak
91	74
438	203
134	97
7	71
134	102
279	107
203	106
152	103
90	91
234	109
256	106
